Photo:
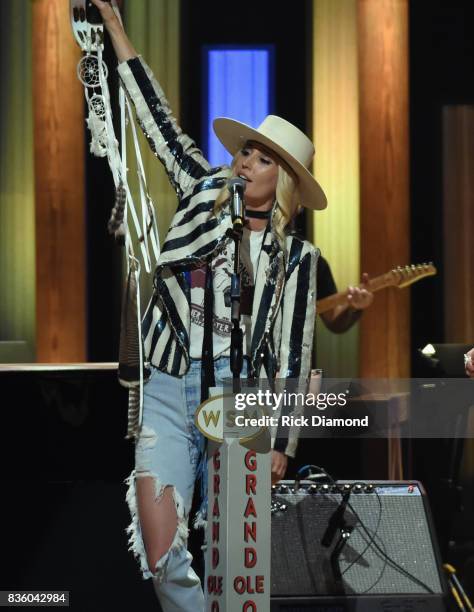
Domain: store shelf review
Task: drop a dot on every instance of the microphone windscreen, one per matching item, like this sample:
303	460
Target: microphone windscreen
236	182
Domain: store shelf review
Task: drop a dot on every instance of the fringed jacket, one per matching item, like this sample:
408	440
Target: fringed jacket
284	301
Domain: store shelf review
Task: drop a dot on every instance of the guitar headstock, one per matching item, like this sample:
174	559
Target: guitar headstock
406	275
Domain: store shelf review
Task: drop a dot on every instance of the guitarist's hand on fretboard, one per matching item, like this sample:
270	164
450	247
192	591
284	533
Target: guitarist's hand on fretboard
343	314
360	297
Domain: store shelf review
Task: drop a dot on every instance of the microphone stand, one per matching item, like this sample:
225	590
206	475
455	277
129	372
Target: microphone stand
236	336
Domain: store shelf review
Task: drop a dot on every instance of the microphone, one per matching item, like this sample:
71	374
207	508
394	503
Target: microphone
236	187
336	521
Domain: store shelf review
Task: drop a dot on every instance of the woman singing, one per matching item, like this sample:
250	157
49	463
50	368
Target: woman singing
277	305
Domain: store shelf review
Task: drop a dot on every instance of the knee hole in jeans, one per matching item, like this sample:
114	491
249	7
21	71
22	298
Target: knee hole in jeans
163	524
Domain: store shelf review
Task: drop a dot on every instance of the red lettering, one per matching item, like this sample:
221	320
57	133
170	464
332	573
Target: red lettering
210	584
250	530
215	558
250	557
215	532
216	461
251	460
250	484
214	584
243	584
215	509
250	509
249	605
217	481
239	584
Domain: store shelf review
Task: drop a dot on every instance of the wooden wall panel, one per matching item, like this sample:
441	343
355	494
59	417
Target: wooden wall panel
59	186
384	180
458	223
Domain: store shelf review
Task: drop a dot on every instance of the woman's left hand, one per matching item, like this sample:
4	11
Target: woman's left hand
279	465
124	49
106	12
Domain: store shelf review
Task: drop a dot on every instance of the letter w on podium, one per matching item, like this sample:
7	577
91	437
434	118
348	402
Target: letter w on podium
238	516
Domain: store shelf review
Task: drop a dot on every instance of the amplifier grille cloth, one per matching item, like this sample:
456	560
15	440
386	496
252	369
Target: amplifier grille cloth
301	566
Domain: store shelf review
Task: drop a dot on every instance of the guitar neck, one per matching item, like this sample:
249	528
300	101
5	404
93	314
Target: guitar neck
339	299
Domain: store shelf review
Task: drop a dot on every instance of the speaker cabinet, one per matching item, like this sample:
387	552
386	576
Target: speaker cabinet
380	551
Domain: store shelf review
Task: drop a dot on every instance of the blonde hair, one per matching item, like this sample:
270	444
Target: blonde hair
285	206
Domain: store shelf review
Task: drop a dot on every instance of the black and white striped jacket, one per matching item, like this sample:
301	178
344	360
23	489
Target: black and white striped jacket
285	288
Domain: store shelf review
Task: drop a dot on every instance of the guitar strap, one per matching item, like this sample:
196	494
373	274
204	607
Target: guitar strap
207	358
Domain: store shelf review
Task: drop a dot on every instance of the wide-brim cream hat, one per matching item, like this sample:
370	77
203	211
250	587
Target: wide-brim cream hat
287	141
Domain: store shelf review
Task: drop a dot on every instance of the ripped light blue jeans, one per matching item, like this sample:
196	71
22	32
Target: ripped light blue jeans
170	449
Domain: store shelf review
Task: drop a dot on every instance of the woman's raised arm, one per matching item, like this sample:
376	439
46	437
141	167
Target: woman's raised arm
184	162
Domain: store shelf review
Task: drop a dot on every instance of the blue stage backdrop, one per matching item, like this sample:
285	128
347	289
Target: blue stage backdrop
239	83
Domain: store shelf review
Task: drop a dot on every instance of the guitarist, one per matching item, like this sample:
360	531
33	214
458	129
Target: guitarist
341	318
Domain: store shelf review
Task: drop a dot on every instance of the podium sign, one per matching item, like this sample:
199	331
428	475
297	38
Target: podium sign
238	530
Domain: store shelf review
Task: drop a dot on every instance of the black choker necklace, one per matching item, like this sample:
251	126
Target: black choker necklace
258	214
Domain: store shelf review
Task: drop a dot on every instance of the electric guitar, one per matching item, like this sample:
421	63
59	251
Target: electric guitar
399	277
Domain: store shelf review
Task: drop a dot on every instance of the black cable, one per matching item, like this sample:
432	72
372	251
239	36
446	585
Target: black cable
388	559
369	543
379	520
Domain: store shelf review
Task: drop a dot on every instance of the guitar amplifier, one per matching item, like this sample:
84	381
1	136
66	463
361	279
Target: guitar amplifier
354	546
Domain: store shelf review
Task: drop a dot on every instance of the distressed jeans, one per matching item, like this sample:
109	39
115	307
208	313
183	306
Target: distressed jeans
170	449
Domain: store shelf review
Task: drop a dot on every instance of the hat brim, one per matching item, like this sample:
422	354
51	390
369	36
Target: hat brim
234	134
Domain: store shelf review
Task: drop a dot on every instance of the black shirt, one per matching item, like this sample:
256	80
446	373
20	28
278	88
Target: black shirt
325	284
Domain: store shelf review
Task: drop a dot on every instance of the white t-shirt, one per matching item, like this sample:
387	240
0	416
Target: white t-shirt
222	268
